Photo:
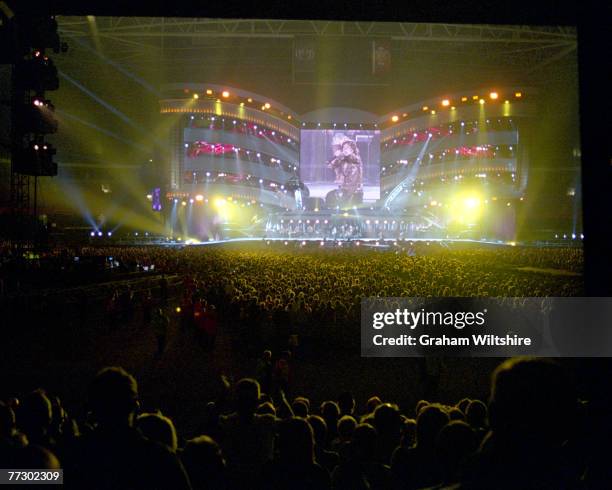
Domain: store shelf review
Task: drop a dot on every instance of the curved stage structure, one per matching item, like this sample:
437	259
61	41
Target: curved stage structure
453	166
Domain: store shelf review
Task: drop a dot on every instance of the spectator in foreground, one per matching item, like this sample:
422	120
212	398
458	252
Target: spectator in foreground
114	454
532	412
157	428
295	467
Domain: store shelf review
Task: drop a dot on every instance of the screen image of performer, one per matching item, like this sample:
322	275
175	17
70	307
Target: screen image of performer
348	168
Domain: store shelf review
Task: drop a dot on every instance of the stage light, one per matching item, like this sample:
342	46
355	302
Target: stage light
493	95
225	94
474	97
446	102
99	233
425	108
321	243
209	91
149	197
481	101
289	116
395	118
249	100
518	95
261	181
175	201
433	113
267	105
199	197
196	96
452	109
581	236
93	233
241	104
184	203
191	201
110	233
286	243
463	99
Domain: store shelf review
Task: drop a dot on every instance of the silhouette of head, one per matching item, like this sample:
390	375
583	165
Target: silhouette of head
363	445
387	419
300	408
296	442
346	402
346	426
476	414
34	414
430	421
203	461
113	396
158	428
247	396
455	442
372	403
319	429
531	399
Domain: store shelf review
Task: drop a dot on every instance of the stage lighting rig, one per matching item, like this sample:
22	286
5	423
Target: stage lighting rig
36	159
38	73
37	117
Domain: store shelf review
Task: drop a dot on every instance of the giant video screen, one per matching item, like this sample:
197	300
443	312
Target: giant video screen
341	166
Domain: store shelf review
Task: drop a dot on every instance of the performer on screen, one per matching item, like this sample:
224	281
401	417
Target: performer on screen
348	168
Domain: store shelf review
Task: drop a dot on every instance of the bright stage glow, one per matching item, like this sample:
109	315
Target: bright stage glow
196	96
518	95
267	105
465	208
209	91
493	95
446	102
395	118
220	203
481	101
199	197
225	94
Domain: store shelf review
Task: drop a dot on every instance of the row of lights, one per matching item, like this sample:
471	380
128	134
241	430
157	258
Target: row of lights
446	103
225	94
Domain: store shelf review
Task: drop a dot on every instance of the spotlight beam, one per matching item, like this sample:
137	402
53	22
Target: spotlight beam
102	130
410	178
118	67
102	102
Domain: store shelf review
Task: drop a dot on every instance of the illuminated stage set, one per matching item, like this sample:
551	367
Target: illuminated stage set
244	166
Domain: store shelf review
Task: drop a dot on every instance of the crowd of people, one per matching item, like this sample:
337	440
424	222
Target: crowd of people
532	433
